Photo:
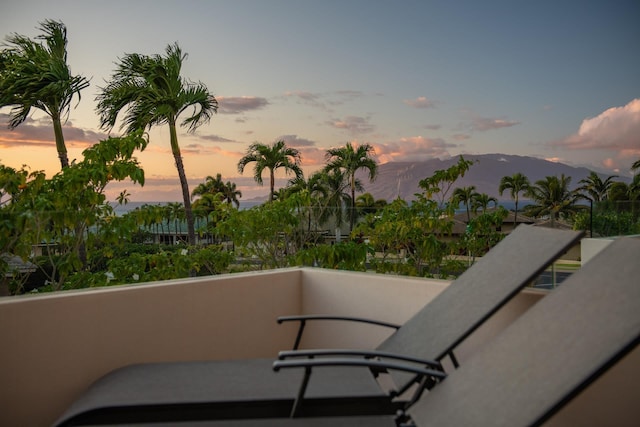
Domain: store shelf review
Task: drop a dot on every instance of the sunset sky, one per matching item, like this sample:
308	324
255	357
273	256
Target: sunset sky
416	79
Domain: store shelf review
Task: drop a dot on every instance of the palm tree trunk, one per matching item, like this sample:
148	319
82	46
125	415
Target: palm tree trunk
272	184
353	201
175	148
60	146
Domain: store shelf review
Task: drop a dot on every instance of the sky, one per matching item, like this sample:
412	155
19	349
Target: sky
558	80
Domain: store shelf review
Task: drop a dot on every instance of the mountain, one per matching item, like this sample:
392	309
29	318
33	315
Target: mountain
401	178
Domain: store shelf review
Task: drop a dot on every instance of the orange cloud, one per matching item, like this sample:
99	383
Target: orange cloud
415	148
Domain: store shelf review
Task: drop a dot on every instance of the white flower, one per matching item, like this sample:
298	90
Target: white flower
135	277
184	252
110	276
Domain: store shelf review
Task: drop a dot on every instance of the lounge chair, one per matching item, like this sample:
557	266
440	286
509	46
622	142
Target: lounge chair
539	364
250	388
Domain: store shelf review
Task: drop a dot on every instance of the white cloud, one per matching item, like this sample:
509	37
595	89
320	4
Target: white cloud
617	128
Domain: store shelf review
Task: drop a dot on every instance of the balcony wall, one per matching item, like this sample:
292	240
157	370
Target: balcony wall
55	345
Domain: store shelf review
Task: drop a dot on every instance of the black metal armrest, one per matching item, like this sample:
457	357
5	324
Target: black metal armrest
347	361
304	318
425	377
367	354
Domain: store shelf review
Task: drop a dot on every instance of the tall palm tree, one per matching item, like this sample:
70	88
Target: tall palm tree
552	198
594	188
271	157
337	196
635	166
349	159
516	184
37	75
152	92
464	195
312	191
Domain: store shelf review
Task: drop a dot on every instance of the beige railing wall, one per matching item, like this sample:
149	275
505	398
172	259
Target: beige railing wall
54	346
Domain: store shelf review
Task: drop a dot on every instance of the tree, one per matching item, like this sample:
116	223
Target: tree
464	195
552	198
441	181
635	166
228	191
349	159
337	196
481	201
594	188
516	184
153	92
68	210
271	157
311	192
37	75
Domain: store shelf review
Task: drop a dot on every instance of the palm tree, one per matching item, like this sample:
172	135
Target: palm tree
312	192
635	166
466	196
516	183
231	194
482	200
210	185
37	75
349	159
337	196
552	198
594	188
271	157
154	93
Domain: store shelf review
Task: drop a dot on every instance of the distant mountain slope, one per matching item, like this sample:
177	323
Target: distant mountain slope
401	178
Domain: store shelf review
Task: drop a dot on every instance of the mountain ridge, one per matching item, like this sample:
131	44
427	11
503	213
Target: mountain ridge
400	179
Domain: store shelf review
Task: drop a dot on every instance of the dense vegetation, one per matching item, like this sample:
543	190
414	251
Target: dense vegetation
60	233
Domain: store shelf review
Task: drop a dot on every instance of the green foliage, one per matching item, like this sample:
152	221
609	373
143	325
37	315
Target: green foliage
265	233
608	222
409	239
483	232
66	211
341	256
441	182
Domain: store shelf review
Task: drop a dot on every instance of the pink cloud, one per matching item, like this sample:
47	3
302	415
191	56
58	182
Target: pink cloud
353	124
420	102
415	148
39	133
